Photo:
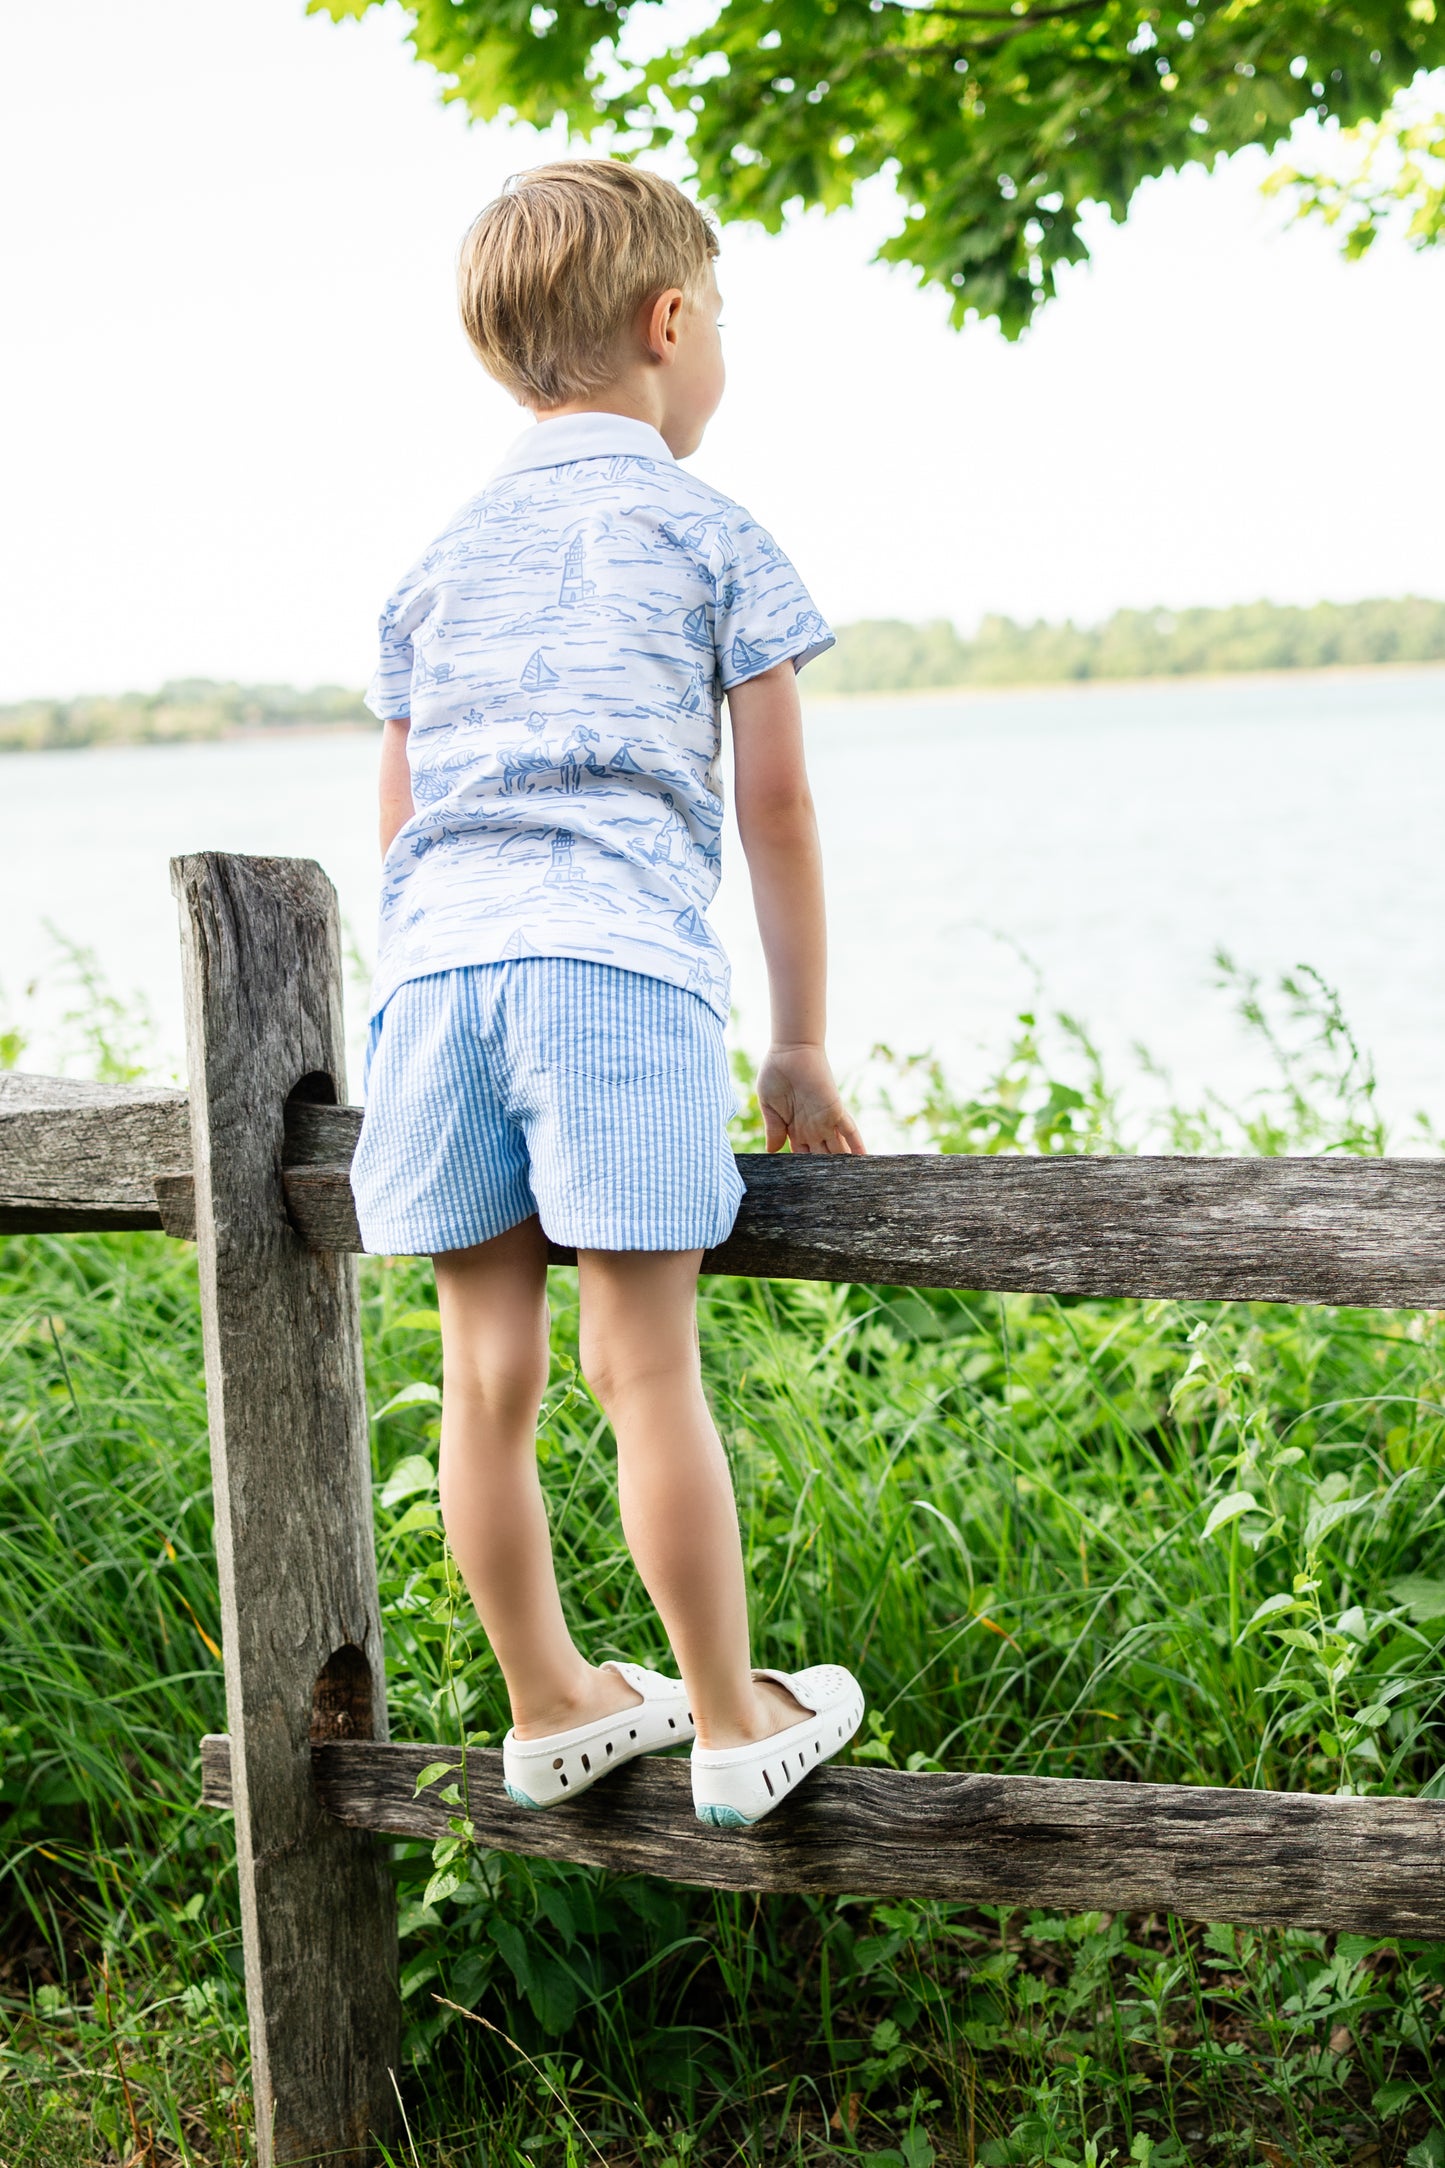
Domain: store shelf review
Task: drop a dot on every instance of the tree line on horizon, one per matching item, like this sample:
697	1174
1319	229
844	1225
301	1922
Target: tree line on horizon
873	655
891	655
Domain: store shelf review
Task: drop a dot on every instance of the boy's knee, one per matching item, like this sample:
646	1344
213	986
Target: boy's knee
506	1388
616	1368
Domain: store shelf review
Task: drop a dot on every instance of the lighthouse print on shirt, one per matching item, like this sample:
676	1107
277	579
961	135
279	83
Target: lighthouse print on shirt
562	650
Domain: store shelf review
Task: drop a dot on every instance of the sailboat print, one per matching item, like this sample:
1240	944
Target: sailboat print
745	656
695	628
690	925
538	673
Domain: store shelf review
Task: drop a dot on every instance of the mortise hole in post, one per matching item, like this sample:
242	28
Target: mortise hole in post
341	1698
316	1089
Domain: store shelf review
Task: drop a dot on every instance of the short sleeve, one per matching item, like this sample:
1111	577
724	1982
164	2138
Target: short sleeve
764	614
389	694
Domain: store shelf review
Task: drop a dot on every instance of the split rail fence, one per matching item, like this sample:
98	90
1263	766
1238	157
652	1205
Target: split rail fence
252	1163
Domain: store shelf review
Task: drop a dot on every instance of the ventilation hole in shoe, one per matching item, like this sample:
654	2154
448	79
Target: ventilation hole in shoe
689	1716
672	1723
769	1782
786	1770
557	1763
632	1735
587	1765
564	1781
609	1746
817	1746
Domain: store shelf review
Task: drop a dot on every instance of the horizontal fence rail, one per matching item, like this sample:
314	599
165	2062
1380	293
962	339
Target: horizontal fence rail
1362	1231
1268	1859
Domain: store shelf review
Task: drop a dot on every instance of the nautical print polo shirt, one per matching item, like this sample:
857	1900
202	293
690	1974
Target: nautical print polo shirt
562	650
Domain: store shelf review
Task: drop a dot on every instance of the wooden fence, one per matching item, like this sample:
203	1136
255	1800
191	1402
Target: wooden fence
252	1163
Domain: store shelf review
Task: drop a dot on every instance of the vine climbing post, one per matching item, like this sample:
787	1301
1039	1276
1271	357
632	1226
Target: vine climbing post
291	1470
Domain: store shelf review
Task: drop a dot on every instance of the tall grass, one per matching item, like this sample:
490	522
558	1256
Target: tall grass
1199	1543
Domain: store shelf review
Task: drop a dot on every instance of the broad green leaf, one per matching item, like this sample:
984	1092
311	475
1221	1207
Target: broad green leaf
409	1396
1326	1517
1421	1595
445	1883
1229	1509
422	1515
1273	1607
415	1473
432	1771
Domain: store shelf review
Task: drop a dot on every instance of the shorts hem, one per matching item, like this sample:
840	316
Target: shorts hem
413	1241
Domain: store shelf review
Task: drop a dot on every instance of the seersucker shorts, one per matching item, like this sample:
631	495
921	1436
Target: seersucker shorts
596	1097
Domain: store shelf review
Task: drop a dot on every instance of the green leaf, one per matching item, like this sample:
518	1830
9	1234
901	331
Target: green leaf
443	1884
1421	1595
422	1515
1394	2098
434	1770
1273	1607
415	1473
409	1396
1229	1509
1326	1517
417	1321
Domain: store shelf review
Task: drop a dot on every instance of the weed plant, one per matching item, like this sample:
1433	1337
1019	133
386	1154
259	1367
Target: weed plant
1187	1542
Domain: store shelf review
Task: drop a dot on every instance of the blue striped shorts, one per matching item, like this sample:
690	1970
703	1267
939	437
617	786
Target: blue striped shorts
596	1097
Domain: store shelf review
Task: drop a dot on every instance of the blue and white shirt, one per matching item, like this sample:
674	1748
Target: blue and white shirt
562	651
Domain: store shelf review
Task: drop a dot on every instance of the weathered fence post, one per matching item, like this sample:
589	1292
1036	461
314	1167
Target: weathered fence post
291	1469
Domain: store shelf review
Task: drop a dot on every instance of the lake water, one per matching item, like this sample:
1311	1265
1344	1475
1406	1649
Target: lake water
1115	835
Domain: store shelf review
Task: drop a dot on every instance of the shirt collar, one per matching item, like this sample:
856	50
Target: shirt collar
582	436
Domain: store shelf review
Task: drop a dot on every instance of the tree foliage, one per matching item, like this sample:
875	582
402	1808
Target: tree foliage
999	119
888	655
1395	175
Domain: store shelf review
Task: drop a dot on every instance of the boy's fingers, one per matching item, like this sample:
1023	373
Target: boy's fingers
775	1129
852	1139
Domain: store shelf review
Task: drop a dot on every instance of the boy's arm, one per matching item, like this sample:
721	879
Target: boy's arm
396	805
799	1099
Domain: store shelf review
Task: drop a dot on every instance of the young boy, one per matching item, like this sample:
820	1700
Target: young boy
547	1054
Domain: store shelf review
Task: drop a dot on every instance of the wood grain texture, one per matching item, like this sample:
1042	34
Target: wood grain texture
1278	1859
75	1156
1366	1231
292	1477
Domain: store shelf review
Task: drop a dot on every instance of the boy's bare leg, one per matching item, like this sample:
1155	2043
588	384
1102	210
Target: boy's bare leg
493	1303
640	1356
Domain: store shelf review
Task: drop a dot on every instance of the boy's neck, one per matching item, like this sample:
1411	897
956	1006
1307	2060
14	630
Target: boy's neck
635	402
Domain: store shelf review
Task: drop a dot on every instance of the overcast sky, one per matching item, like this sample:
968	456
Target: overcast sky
236	402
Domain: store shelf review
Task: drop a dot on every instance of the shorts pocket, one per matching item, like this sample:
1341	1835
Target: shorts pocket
614	1048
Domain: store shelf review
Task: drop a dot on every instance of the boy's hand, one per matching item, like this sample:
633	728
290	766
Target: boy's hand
800	1103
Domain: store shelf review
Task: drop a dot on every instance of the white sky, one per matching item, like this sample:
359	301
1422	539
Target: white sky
235	402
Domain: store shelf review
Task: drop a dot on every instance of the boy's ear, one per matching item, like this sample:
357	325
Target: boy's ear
661	318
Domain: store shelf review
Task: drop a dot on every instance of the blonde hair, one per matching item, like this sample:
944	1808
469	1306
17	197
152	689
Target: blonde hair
553	272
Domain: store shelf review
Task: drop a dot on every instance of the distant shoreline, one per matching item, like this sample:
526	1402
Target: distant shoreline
1295	674
921	695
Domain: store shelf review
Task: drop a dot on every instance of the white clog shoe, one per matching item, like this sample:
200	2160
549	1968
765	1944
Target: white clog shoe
733	1787
543	1772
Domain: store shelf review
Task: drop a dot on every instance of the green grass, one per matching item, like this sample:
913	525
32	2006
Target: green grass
994	1507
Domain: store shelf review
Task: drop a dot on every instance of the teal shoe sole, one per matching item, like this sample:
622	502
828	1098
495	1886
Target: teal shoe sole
520	1799
723	1818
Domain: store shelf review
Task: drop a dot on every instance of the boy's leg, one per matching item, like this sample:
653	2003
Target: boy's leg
640	1356
493	1304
